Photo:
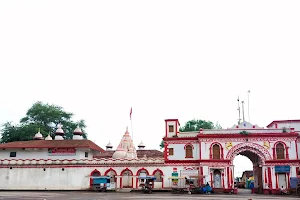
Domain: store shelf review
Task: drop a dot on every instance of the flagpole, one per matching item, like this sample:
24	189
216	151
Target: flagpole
131	123
131	129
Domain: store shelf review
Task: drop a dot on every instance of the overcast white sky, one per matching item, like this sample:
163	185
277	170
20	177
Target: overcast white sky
166	59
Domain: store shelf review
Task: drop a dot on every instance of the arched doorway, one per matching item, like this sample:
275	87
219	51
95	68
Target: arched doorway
113	179
141	173
126	180
94	173
159	181
257	154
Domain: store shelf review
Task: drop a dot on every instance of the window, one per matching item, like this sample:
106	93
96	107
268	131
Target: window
171	128
171	151
280	151
188	151
13	154
216	152
86	154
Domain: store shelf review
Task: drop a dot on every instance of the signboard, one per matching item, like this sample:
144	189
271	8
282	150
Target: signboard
175	174
189	173
282	169
61	151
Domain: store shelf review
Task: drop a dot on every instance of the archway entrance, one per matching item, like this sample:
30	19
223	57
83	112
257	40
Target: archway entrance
126	179
257	154
250	178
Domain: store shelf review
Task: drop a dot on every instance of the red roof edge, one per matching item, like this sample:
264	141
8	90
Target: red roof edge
283	121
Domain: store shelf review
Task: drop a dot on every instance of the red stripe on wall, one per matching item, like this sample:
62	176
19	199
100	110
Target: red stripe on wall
266	176
270	177
228	182
276	176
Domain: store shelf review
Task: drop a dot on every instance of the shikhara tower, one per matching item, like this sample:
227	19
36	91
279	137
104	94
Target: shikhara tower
125	148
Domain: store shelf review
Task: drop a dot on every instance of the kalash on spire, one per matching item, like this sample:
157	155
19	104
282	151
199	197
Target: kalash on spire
126	147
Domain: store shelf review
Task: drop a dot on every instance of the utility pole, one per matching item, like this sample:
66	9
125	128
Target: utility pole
239	109
243	110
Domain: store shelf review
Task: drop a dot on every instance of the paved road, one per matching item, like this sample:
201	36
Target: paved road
128	196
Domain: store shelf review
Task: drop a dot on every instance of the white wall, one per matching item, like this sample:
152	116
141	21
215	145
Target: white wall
72	178
38	179
42	154
179	152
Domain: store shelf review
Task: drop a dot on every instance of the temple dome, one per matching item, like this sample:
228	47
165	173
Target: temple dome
78	131
38	136
109	144
59	133
141	144
119	153
77	134
48	137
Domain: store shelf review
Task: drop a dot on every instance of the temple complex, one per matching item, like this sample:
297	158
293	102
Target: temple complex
59	164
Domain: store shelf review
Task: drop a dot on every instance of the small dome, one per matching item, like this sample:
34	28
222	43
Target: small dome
38	136
119	153
78	131
59	133
141	144
48	137
109	144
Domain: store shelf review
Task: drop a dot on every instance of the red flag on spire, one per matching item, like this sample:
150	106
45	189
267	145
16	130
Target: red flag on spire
130	112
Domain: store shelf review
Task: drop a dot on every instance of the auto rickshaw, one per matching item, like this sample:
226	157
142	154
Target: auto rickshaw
100	183
147	183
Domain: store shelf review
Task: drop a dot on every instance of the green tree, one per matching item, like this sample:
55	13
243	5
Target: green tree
162	145
195	125
43	117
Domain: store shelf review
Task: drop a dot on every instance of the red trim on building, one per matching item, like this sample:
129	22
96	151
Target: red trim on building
211	150
180	138
282	161
283	121
270	178
231	178
228	178
182	161
110	169
188	144
223	185
198	161
201	173
265	177
166	153
288	180
296	146
252	135
276	176
200	150
211	180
